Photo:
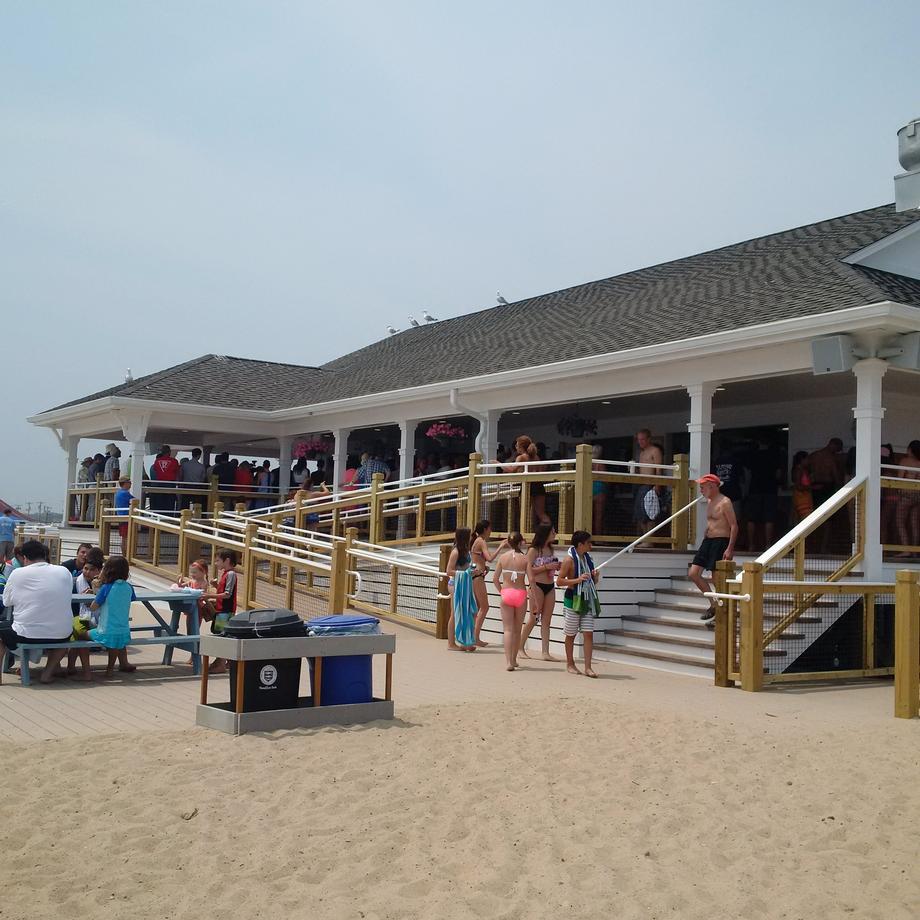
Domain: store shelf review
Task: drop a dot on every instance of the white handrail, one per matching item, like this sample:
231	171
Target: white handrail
895	466
804	527
377	557
648	533
719	597
526	463
638	464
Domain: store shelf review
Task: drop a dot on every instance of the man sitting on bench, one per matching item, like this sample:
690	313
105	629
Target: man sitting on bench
39	594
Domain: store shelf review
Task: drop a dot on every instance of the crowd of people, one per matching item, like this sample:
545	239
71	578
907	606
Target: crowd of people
44	603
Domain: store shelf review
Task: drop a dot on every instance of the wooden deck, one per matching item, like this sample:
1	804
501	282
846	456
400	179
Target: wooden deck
158	698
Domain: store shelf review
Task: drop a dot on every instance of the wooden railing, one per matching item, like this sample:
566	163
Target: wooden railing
281	566
85	500
791	597
429	509
900	514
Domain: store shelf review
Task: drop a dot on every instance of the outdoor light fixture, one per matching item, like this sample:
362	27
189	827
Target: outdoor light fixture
605	402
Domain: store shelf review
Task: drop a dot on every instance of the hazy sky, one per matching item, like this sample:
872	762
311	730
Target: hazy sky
282	180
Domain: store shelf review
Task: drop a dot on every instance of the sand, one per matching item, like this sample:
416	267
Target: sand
559	807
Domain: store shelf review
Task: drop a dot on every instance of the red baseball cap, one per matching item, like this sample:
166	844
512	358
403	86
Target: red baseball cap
710	477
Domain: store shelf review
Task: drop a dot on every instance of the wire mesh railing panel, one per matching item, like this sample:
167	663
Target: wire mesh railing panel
900	518
813	632
622	510
388	589
826	550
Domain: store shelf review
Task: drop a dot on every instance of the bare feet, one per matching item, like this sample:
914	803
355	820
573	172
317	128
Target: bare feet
523	652
548	657
482	644
466	648
127	668
510	667
589	672
219	668
572	669
453	647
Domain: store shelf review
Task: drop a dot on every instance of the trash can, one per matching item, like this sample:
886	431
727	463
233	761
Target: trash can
271	684
346	678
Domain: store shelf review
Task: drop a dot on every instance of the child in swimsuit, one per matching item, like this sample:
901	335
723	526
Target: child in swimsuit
511	577
114	605
460	626
543	568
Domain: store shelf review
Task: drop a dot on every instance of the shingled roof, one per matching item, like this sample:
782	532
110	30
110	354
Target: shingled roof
792	274
218	380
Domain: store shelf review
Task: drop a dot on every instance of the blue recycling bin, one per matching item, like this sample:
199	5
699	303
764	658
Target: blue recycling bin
346	678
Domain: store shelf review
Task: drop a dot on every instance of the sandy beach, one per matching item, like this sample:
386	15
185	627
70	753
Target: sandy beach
550	806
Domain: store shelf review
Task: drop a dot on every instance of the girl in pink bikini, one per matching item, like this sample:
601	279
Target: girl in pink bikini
512	575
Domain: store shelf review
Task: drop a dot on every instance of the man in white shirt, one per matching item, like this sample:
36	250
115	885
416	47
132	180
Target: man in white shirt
39	594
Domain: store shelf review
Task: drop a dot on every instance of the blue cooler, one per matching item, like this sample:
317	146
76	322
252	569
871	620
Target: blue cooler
346	678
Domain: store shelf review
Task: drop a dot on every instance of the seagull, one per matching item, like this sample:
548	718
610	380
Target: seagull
391	330
500	299
413	321
428	317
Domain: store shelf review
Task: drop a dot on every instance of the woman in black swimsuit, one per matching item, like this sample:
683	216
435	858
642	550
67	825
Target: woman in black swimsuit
543	567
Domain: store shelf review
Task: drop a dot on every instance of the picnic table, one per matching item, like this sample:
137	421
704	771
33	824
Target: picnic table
165	634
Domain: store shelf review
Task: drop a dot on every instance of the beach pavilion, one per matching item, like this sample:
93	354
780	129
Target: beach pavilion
721	343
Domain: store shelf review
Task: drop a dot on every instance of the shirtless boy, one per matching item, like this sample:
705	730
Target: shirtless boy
721	533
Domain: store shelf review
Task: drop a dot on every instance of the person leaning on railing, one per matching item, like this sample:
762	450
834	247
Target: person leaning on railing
909	500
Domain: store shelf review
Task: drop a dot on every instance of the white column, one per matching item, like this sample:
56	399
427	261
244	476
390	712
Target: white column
138	451
407	447
700	427
869	414
134	428
339	457
70	443
285	442
487	439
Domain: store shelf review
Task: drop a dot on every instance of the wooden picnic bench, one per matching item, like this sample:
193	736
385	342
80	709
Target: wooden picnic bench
165	634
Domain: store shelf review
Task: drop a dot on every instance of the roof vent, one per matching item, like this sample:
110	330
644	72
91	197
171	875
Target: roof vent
907	185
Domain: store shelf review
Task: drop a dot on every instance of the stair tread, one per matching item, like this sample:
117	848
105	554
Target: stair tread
674	657
656	637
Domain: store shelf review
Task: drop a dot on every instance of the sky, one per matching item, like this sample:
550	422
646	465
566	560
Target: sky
282	180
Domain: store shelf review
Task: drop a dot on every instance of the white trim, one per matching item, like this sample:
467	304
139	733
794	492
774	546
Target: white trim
899	316
867	252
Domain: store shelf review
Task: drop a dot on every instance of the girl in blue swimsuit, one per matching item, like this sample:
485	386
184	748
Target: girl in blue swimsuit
113	601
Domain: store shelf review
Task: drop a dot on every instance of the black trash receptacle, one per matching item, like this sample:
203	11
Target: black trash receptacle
269	684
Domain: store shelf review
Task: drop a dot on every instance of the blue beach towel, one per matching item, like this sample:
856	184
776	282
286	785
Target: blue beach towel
465	607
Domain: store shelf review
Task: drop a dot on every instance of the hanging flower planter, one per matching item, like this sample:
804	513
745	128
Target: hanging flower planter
444	433
311	448
574	426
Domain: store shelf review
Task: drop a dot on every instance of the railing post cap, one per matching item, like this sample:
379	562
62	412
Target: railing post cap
377	477
907	575
752	567
476	456
583	448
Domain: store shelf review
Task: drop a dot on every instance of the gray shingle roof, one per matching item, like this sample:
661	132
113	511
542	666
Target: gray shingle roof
218	380
785	275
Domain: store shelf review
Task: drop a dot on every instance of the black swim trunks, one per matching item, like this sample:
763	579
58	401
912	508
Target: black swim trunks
711	550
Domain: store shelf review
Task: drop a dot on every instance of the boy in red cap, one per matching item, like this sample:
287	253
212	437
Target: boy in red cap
719	541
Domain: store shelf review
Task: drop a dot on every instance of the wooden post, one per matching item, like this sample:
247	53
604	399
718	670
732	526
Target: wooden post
213	494
205	673
388	689
420	516
105	529
474	491
525	515
249	570
375	523
907	645
443	604
196	510
240	684
318	681
130	550
868	631
752	627
155	548
394	588
680	528
351	534
273	564
724	640
299	497
182	560
239	507
218	509
338	580
583	483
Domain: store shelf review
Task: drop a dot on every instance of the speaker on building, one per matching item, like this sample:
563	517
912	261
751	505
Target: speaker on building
908	356
832	355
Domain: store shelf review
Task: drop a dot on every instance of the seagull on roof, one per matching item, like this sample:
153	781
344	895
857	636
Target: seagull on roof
428	317
413	321
500	299
392	330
